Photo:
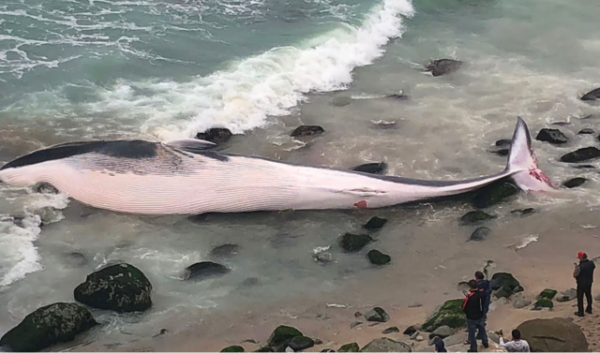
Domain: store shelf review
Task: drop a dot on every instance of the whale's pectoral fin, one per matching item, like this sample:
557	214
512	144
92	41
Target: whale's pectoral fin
190	145
363	192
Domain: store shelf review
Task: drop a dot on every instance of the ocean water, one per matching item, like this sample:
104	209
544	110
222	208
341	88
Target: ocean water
72	69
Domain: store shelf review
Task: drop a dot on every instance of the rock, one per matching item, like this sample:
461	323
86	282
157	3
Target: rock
349	347
582	154
480	234
575	182
203	270
318	341
449	314
397	96
354	242
504	284
420	338
375	223
543	303
377	314
264	349
443	66
376	257
473	217
591	95
503	143
48	325
392	329
75	259
521	303
45	188
355	323
548	294
281	337
553	335
584	166
233	349
225	250
415	335
586	131
597	297
454	339
216	135
524	212
493	336
327	350
410	330
554	136
48	215
494	193
434	339
307	130
502	151
567	295
385	344
341	101
299	343
442	332
462	285
561	123
323	257
120	287
371	168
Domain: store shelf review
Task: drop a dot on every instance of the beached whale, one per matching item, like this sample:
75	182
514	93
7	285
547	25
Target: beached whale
185	177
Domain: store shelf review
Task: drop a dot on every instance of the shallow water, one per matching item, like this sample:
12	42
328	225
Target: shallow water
519	61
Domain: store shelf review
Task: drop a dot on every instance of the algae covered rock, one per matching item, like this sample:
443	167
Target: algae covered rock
299	343
548	294
376	257
449	314
48	325
553	335
494	193
233	349
377	314
473	217
349	347
543	303
505	285
281	337
120	287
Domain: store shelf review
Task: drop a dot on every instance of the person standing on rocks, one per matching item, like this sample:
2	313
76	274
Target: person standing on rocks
584	275
485	286
517	344
473	309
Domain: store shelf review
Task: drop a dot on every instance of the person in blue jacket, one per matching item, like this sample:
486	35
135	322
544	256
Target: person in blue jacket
484	286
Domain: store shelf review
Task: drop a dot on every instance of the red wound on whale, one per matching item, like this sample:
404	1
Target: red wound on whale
361	204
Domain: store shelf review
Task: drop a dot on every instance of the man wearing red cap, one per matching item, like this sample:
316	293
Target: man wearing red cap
584	274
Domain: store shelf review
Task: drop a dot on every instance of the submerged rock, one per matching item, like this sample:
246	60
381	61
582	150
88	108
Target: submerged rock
584	166
480	234
554	136
48	325
582	154
503	143
504	285
120	287
225	250
204	269
349	347
591	95
341	101
375	223
385	344
586	131
473	217
233	349
443	66
449	314
75	259
493	194
281	337
553	335
376	257
216	135
354	242
575	182
524	211
307	130
377	314
372	168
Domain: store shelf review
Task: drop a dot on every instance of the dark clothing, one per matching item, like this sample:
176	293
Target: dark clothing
486	287
587	291
440	347
585	272
584	275
473	305
472	327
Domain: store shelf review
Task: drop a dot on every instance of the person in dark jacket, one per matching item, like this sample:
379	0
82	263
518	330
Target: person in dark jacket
584	275
485	287
473	308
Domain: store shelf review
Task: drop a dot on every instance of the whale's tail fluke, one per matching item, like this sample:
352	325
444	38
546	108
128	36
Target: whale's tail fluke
522	162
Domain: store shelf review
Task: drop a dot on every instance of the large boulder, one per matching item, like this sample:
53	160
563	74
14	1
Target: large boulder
554	136
385	344
281	337
449	314
48	325
120	287
553	335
